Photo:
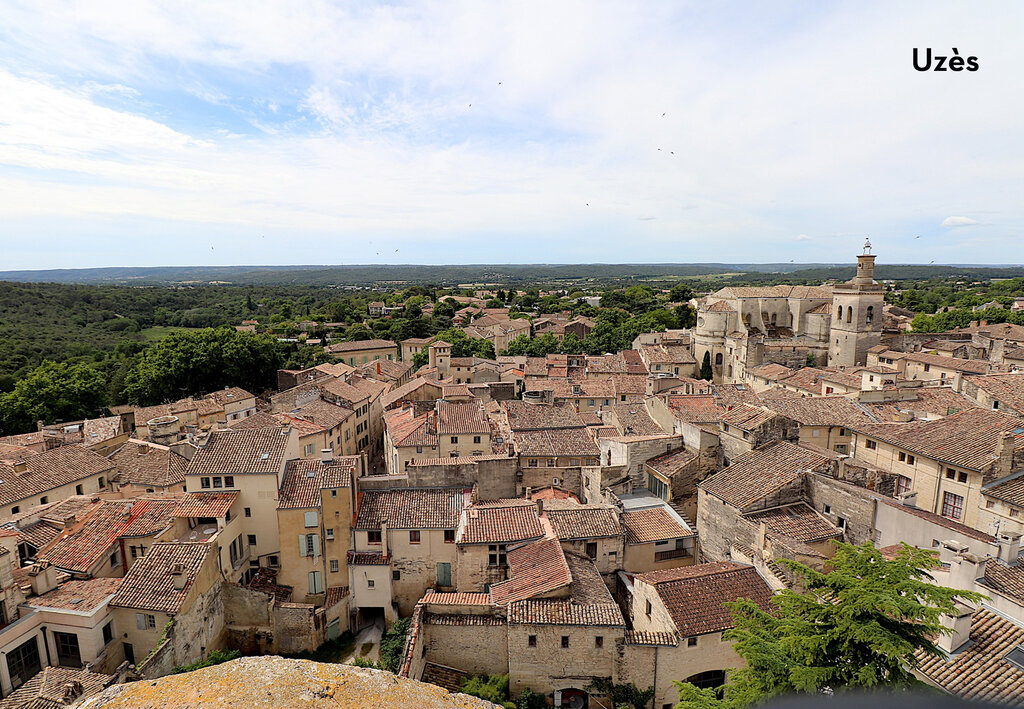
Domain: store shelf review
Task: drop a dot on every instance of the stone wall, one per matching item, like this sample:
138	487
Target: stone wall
494	475
854	504
548	666
473	644
255	625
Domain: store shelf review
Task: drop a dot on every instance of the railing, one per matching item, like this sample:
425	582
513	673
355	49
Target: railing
672	554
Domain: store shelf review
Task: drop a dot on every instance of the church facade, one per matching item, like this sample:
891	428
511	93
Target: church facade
740	328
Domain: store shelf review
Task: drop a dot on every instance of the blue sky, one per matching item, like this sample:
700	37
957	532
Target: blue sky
475	132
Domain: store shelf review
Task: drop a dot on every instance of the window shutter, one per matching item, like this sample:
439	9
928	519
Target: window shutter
302	545
316	545
311	519
140	621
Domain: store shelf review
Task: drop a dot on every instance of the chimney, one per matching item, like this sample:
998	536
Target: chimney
378	367
964	571
1004	450
326	455
143	450
949	549
540	507
69	522
1009	548
178	576
529	493
43	577
908	499
72	690
960	627
39	426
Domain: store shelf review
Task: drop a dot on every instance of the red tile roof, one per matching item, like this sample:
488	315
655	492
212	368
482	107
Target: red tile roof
149	584
81	550
143	464
695	596
205	504
455	418
78	595
500	522
980	671
523	416
968	439
305	478
589	602
48	470
798	522
457	599
411	508
556	442
535	569
761	472
654	524
254	451
584	522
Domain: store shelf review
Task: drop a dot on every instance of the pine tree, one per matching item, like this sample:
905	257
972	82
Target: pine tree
705	367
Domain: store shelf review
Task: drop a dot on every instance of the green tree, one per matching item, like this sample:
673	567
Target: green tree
197	361
627	696
359	331
857	626
705	367
53	391
680	293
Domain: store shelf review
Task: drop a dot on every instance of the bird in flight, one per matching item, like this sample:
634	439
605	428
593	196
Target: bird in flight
918	236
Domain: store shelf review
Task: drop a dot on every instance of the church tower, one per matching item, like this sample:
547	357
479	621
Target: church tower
856	314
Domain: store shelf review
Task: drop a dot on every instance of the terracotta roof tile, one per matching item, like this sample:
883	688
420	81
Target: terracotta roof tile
524	416
1008	389
535	569
589	602
461	418
253	451
668	464
695	596
653	524
143	464
499	523
305	478
969	438
411	508
761	472
968	366
205	504
149	584
457	599
819	411
798	522
556	442
980	671
81	550
78	595
584	522
48	470
46	689
696	408
359	346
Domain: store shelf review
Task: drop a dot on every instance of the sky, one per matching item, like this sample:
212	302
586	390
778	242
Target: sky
210	133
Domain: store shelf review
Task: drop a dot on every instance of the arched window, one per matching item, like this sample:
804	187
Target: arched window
774	316
870	315
711	678
718	359
849	314
839	313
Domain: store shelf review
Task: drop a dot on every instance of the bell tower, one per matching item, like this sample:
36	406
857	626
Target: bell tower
856	314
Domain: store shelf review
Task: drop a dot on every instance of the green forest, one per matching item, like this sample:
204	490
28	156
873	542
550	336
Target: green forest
70	351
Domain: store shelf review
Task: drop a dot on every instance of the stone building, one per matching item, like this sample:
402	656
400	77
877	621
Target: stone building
743	328
315	506
945	461
486	531
684	608
169	607
415	533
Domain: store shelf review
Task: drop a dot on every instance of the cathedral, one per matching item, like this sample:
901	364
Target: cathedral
744	327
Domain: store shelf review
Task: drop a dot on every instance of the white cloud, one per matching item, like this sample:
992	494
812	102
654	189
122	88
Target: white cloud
776	122
954	222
